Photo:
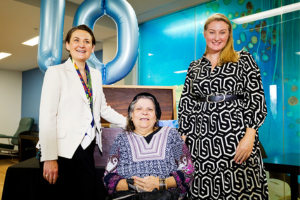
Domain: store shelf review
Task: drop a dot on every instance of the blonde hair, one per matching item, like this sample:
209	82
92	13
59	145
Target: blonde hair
227	54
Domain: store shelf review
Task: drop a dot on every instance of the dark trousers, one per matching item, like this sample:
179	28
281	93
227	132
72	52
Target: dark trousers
77	177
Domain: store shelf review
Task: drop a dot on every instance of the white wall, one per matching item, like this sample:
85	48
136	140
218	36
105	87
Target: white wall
10	101
109	52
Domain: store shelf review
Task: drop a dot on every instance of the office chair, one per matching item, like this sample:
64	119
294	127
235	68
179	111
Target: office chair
25	124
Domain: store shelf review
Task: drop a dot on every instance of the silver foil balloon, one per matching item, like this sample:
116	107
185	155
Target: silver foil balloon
51	33
128	40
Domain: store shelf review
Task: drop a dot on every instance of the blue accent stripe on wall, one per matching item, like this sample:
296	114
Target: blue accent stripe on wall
32	81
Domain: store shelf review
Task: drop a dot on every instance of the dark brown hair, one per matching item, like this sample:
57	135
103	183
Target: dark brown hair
80	27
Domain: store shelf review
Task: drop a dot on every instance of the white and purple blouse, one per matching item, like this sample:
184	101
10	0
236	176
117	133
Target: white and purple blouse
164	156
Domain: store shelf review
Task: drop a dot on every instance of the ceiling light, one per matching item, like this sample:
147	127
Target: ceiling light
267	14
178	72
4	55
298	53
32	42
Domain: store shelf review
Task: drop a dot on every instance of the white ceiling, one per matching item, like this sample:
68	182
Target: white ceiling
20	22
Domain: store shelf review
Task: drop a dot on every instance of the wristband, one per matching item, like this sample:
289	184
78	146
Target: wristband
162	184
166	186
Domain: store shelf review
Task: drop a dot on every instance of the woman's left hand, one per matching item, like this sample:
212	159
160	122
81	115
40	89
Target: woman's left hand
147	183
245	146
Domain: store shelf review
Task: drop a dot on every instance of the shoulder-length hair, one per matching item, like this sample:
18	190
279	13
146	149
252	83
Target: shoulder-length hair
228	53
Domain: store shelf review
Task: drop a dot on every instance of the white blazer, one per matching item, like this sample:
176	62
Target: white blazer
65	113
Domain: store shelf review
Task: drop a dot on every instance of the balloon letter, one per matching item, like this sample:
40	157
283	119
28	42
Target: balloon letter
51	30
124	16
51	33
128	39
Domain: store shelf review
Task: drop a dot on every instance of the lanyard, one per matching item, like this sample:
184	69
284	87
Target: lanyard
87	87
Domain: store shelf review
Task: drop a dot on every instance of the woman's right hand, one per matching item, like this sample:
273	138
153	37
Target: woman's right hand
50	171
147	183
184	137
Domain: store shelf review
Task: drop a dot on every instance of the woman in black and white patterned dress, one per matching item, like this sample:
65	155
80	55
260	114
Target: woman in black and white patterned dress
221	107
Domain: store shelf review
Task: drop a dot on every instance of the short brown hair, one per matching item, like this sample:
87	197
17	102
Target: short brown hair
80	27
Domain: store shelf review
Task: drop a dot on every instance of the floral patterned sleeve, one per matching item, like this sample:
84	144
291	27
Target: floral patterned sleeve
184	174
111	177
255	110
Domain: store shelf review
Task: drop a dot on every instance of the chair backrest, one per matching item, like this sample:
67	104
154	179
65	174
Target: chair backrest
108	137
25	124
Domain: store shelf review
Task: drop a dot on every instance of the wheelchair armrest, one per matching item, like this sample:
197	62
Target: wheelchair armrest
7	136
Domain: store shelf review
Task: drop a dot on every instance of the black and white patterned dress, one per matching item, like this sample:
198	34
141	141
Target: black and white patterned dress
215	129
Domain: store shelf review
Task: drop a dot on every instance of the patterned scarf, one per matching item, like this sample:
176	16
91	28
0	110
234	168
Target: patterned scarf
87	87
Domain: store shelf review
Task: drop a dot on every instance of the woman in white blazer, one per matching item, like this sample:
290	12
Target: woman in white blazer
72	102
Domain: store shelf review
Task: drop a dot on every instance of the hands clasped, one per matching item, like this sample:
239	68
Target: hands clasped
147	183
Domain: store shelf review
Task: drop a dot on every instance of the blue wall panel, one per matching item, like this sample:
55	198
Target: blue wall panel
169	43
32	81
163	51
